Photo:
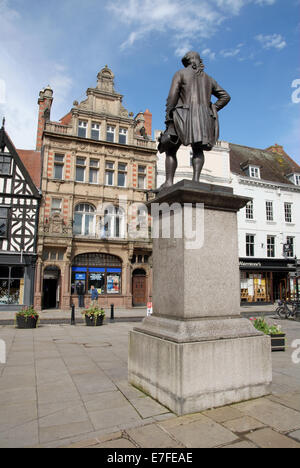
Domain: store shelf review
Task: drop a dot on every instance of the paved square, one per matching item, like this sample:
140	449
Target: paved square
66	385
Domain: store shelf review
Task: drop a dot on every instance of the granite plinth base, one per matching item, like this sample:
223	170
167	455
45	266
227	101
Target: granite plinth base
196	352
195	376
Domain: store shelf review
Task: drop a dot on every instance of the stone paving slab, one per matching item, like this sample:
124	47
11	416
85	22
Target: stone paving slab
243	424
153	436
203	433
65	386
271	414
267	438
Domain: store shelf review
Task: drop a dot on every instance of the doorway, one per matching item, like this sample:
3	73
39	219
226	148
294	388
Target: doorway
139	295
51	289
280	291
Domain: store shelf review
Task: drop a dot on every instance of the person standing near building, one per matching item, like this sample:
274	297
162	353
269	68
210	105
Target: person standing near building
80	293
94	296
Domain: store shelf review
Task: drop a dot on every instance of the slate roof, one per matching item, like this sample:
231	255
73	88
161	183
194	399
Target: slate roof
275	165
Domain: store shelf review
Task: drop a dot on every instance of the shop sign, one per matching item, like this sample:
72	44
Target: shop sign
96	276
149	308
80	276
258	264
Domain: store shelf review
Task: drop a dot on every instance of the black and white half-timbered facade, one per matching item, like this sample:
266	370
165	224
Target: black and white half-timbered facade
19	208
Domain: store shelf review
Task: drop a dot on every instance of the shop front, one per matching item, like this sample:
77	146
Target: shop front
265	280
103	271
16	281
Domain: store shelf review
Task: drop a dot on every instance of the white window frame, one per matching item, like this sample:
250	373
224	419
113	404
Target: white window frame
94	168
80	166
123	132
271	247
269	210
254	172
87	213
58	163
297	179
122	172
250	210
82	124
95	127
250	243
110	129
288	212
113	223
109	171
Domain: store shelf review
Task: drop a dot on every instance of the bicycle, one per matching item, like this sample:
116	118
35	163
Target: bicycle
284	311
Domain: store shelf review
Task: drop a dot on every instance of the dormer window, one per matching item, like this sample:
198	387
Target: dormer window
250	169
294	178
254	171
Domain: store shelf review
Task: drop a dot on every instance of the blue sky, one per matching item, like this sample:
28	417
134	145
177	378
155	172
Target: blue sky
251	47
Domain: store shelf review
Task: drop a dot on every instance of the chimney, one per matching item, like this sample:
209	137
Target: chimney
45	102
148	122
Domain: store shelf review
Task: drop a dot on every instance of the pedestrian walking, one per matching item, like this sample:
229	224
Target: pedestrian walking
94	296
80	293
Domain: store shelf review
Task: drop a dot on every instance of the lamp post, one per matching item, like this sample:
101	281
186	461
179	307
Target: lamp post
288	249
297	290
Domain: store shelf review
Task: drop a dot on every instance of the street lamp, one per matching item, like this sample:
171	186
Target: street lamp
297	289
288	250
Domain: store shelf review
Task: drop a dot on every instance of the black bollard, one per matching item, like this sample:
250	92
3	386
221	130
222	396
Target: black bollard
112	315
73	315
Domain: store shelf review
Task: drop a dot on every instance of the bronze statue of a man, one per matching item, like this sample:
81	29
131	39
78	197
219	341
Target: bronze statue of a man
191	118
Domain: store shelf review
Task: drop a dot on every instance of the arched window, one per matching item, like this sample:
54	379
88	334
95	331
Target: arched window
84	220
113	223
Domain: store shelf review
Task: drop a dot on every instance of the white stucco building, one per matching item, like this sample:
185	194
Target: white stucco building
269	226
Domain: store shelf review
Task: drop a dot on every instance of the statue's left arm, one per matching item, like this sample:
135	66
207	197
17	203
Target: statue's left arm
221	94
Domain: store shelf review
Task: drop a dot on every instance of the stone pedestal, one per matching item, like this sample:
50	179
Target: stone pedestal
196	351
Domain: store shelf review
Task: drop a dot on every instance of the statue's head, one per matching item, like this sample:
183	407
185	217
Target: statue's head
194	60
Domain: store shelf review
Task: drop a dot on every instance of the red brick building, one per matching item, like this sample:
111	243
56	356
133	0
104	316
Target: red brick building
98	162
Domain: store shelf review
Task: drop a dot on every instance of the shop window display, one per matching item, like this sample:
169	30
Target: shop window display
11	285
106	277
255	287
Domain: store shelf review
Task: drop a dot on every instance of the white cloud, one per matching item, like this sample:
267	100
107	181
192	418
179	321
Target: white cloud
183	49
185	21
275	41
234	6
231	52
208	53
265	2
25	69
